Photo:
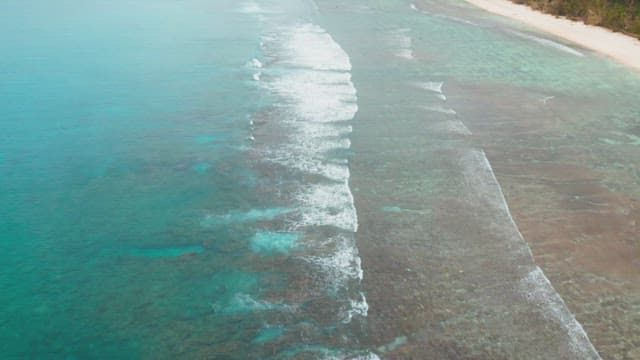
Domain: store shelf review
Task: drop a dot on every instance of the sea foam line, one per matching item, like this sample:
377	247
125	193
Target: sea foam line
536	287
309	46
445	16
431	86
438	109
539	291
454	126
548	43
402	42
311	74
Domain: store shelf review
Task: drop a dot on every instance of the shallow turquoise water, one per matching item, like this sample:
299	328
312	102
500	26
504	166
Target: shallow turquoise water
137	219
123	122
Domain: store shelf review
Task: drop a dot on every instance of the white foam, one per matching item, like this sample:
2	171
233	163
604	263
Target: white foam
401	41
317	101
343	265
538	290
535	286
316	146
310	165
319	131
318	95
310	46
549	43
455	127
347	356
446	17
457	19
318	98
368	356
254	63
413	7
311	140
439	109
405	53
433	86
329	205
358	307
546	99
480	177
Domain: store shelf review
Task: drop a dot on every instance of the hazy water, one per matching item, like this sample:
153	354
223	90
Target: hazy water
139	218
176	179
123	124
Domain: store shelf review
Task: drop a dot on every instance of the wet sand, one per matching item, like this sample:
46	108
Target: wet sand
620	47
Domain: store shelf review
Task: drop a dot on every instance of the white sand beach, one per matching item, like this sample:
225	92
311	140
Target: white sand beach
617	46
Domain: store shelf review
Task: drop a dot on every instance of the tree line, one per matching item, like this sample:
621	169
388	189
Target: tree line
618	15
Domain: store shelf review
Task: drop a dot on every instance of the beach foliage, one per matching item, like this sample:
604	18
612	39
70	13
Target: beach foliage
618	15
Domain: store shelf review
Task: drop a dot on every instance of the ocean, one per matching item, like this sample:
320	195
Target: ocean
299	179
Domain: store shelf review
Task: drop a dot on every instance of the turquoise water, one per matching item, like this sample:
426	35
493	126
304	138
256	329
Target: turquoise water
268	242
175	176
138	219
123	123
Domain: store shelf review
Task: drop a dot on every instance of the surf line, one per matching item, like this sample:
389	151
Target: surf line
311	73
535	287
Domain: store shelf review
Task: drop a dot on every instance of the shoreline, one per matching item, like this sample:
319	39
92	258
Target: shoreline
617	46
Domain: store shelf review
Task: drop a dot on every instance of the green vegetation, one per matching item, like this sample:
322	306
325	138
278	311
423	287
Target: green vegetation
618	15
